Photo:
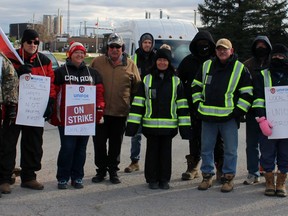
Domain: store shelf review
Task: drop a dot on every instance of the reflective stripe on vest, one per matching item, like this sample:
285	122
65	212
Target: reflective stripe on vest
229	103
160	123
135	58
260	102
134	118
138	101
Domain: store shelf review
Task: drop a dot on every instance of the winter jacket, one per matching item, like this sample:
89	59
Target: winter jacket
160	106
42	66
190	65
277	77
83	75
255	64
225	92
120	83
8	81
144	60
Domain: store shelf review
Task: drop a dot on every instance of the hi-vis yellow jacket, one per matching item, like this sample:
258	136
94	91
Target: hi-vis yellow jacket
222	92
161	107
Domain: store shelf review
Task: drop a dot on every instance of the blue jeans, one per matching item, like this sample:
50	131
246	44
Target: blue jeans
136	145
71	157
253	133
229	133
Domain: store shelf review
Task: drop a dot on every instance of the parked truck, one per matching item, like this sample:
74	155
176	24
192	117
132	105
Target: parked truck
176	33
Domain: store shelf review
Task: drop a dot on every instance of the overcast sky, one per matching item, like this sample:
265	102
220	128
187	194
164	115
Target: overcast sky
107	12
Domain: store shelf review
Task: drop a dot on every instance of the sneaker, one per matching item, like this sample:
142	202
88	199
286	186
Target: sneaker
134	166
251	179
62	184
32	184
78	184
5	188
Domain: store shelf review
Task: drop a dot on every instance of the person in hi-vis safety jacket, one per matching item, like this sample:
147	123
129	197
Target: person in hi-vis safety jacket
222	93
161	108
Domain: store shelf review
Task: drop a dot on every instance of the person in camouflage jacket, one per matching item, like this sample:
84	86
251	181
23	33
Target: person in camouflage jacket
8	96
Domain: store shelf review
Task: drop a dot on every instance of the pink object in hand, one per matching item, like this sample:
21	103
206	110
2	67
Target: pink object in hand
264	125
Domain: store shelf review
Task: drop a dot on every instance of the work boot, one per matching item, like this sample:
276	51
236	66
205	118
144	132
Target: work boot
13	179
281	185
32	184
17	171
134	166
5	188
270	184
192	171
206	182
228	183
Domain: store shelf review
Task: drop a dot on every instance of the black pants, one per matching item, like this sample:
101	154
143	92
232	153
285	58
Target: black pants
195	143
31	151
158	159
112	130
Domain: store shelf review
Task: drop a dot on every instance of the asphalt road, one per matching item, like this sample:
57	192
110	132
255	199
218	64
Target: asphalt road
132	196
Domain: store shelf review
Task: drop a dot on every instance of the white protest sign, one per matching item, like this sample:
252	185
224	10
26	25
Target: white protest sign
33	99
80	110
276	102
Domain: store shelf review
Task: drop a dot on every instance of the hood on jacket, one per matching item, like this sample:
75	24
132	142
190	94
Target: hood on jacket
146	36
260	38
202	35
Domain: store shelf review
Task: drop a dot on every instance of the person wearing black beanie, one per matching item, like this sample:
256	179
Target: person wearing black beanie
29	34
35	63
160	107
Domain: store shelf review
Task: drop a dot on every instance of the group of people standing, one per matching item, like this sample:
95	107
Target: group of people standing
204	99
221	91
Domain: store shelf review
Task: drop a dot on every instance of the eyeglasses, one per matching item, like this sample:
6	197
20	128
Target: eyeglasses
112	46
36	42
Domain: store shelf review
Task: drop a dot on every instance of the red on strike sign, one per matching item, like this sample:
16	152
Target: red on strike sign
80	114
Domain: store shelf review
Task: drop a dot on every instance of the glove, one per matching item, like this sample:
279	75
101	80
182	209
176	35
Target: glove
49	109
11	112
186	132
24	69
264	125
99	115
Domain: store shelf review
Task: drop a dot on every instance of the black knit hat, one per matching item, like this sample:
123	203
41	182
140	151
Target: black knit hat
280	49
164	53
29	34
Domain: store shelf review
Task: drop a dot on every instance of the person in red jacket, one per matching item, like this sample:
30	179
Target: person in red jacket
72	154
35	63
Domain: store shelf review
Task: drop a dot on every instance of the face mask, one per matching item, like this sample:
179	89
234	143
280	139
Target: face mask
279	63
261	52
203	50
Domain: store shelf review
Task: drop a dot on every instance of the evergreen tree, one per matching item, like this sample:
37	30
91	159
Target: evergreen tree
242	20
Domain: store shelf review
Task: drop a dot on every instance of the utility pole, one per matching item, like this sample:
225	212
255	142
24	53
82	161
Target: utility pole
68	18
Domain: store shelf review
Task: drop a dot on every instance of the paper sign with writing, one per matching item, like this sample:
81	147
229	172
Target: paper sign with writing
33	99
276	102
80	110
